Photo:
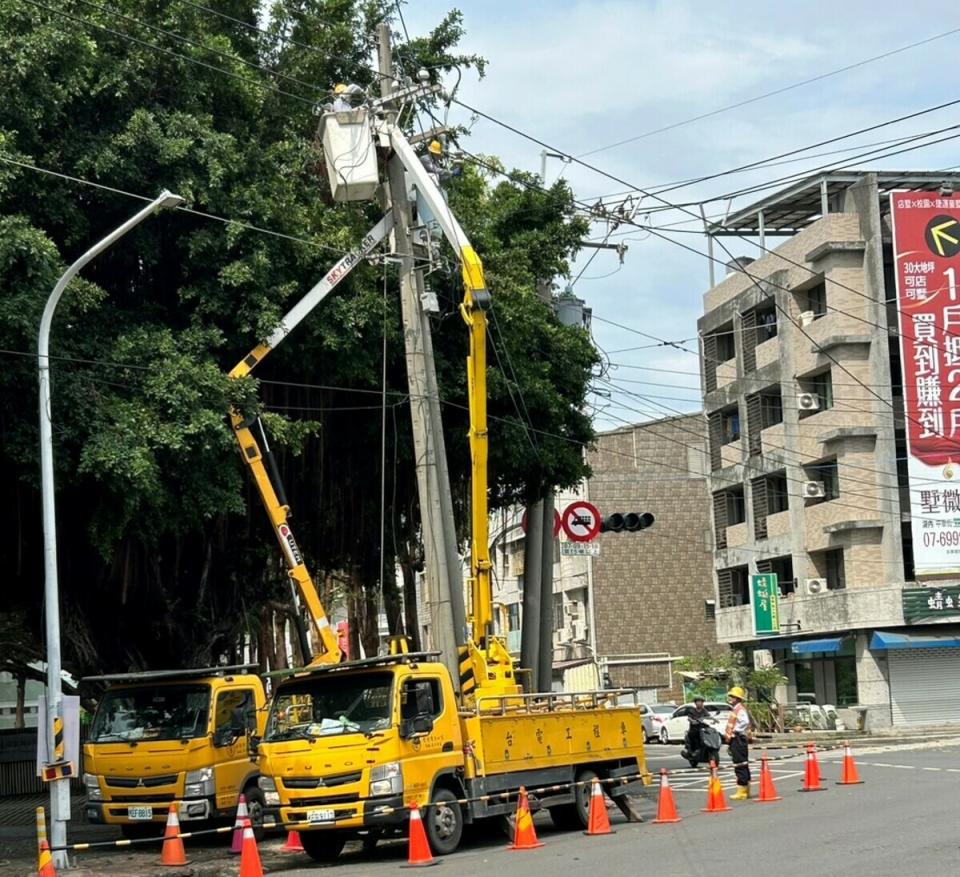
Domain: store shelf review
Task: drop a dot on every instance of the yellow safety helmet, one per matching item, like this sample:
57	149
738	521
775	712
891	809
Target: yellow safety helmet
339	88
737	692
435	147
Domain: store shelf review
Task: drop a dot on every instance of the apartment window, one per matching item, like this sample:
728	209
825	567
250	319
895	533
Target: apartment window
778	495
825	474
726	349
733	585
735	507
814	299
820	387
833	568
558	611
783	567
771	408
513	616
766	323
730	425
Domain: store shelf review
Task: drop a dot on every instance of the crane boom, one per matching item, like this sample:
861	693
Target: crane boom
266	477
485	661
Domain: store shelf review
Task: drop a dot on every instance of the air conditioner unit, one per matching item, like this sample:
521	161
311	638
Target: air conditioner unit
816	586
808	402
814	490
807	317
579	630
561	636
571	609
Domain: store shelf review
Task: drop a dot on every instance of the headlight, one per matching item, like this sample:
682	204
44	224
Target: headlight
199	783
92	782
269	788
386	779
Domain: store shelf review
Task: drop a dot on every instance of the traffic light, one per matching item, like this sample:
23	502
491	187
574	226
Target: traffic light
628	522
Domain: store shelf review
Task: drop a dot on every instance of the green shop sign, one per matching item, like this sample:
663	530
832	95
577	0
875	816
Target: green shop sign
930	604
766	604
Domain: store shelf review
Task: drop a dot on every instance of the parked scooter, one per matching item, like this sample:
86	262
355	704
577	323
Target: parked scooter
701	743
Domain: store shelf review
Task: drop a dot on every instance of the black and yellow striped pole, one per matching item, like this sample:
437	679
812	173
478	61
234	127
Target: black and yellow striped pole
58	748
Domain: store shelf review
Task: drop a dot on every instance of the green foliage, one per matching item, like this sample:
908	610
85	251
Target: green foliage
730	668
165	556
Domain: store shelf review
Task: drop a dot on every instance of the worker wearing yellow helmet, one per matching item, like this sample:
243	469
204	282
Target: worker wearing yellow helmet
738	735
435	148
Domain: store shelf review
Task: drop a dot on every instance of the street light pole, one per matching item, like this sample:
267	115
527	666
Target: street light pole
60	789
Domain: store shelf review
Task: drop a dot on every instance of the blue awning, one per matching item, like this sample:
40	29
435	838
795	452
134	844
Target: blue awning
883	639
829	645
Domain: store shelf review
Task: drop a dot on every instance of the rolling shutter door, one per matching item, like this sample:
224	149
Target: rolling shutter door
924	686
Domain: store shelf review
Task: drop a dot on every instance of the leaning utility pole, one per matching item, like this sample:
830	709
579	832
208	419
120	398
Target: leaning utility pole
446	591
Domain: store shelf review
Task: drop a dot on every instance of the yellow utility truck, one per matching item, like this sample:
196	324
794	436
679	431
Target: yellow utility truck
348	745
173	736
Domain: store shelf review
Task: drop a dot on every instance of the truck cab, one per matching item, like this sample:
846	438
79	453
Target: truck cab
347	746
173	737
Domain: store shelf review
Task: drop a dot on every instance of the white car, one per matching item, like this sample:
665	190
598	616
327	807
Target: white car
675	727
653	715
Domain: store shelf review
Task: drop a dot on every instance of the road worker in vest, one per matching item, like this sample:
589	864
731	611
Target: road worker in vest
737	735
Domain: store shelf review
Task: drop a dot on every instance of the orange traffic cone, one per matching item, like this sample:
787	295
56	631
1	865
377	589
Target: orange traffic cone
172	852
292	843
237	843
249	856
419	855
848	773
524	835
716	803
811	774
666	809
598	822
45	867
768	792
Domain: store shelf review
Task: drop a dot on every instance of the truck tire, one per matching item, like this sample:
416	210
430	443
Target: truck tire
443	820
323	846
575	816
255	808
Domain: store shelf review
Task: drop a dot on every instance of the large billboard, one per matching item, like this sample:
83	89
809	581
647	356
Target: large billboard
926	246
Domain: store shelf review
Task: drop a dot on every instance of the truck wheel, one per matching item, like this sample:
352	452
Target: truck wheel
575	816
323	846
443	820
255	807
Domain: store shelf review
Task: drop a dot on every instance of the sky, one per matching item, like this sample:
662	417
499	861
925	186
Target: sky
582	76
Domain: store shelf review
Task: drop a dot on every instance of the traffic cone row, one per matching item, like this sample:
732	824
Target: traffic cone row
598	822
45	864
666	808
173	854
716	803
811	774
768	792
237	843
249	854
418	855
848	773
524	834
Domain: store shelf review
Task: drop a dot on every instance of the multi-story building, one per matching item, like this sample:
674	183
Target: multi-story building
627	604
653	599
803	397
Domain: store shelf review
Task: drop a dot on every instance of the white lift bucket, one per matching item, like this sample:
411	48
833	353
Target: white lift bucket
350	154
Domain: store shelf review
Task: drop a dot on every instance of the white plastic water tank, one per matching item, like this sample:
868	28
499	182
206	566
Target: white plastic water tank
350	154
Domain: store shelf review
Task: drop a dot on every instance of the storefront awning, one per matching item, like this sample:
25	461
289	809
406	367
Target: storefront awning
883	639
829	645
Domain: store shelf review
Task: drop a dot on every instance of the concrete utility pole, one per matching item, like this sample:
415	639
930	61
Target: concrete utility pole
532	569
545	669
421	378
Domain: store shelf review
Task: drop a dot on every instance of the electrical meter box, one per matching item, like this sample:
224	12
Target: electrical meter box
350	154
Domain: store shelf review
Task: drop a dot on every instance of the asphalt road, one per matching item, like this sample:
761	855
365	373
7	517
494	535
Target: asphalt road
901	821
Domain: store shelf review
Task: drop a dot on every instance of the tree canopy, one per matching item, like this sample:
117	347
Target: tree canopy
165	556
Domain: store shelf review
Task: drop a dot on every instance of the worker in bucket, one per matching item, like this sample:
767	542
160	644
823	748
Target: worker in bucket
738	735
343	96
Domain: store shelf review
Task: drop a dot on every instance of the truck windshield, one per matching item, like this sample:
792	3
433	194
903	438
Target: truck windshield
168	712
329	704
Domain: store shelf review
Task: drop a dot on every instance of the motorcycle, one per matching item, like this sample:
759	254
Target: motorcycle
701	743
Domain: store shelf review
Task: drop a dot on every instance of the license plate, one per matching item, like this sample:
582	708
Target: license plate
320	816
140	812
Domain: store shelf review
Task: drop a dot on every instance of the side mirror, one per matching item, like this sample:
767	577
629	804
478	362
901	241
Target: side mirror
416	727
253	745
224	737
